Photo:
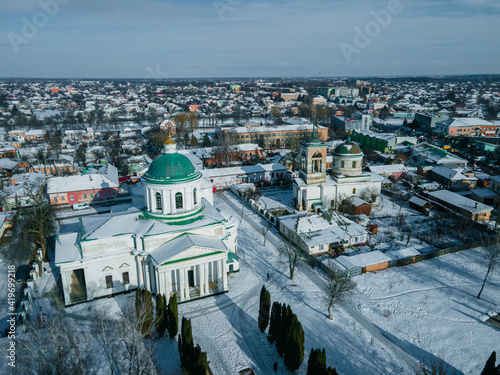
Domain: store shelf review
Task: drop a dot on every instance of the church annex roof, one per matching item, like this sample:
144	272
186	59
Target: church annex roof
137	224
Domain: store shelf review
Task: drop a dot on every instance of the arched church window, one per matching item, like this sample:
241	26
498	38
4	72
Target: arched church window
158	201
178	200
195	199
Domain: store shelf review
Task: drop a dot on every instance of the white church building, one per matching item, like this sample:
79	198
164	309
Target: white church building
315	189
178	244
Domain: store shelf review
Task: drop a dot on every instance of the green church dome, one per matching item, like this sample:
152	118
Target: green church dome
171	168
348	148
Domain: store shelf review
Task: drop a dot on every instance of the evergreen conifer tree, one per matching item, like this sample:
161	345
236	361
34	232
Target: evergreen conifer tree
294	346
160	313
284	323
199	364
187	343
330	371
274	321
313	367
173	318
316	364
265	304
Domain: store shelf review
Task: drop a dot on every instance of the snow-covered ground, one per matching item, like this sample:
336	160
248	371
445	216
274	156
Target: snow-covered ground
430	309
395	318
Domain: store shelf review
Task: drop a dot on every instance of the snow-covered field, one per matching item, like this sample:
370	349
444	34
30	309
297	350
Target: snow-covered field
430	309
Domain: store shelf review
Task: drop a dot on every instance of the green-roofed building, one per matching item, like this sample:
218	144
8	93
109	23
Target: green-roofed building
177	244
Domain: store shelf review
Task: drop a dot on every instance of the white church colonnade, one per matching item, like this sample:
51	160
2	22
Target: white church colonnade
192	279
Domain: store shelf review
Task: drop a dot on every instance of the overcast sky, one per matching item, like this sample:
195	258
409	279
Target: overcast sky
247	38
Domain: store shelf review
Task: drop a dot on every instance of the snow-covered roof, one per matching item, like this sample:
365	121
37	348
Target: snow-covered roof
7	163
247	169
315	230
451	174
135	223
68	242
66	184
460	201
418	201
366	259
387	169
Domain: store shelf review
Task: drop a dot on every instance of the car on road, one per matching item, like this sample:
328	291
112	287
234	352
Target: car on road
80	206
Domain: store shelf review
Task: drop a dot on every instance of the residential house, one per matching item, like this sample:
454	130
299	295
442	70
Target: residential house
84	188
464	206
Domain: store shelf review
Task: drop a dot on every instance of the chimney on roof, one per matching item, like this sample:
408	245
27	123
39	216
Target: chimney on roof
476	205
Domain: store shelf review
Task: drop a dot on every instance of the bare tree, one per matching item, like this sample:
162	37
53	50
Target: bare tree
104	331
224	149
138	352
370	194
264	231
338	287
292	254
491	250
38	221
55	348
125	349
400	218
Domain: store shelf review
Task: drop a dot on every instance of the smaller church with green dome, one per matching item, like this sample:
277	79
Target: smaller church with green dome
177	244
318	189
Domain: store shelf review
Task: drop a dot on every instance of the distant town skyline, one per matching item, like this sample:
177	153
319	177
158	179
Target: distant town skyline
235	38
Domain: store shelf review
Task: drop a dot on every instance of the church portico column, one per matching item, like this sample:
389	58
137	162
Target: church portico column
201	274
206	284
181	284
224	274
145	270
160	282
220	281
66	286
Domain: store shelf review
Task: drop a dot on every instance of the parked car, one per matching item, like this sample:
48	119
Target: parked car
80	206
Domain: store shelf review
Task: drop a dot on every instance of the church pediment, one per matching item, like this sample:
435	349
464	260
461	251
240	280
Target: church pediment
191	253
186	247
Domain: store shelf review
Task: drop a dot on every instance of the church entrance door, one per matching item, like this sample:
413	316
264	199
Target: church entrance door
191	278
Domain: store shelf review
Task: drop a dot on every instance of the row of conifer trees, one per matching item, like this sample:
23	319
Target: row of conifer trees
166	315
286	331
193	360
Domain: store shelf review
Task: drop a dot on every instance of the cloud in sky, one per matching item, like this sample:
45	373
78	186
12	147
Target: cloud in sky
223	38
